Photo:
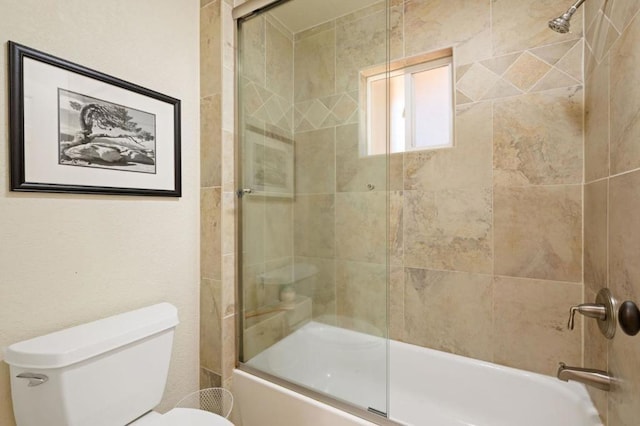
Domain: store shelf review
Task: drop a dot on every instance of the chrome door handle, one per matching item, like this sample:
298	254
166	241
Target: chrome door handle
35	379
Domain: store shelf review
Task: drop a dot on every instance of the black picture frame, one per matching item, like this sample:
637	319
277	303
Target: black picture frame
73	129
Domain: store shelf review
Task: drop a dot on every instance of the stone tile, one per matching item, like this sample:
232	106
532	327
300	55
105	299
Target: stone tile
344	108
210	142
448	229
253	48
310	32
278	229
592	8
396	34
396	172
354	172
314	66
228	161
395	226
462	70
519	26
253	235
624	358
228	231
362	296
467	165
595	235
209	379
254	294
622	11
228	35
538	139
431	26
396	303
500	64
526	71
317	114
624	228
554	79
361	226
538	232
210	325
261	333
210	51
596	123
625	101
315	161
552	53
571	63
530	330
595	356
449	311
279	62
314	217
600	36
359	44
476	81
462	99
624	279
501	89
210	233
321	287
228	346
228	288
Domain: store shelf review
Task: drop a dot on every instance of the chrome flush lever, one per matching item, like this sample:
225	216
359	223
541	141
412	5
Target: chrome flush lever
35	379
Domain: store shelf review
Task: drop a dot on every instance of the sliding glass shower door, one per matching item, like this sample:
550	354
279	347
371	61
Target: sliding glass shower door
315	198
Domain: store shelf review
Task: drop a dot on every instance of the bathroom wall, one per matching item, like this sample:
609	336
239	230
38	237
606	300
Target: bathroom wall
69	259
485	237
217	198
612	197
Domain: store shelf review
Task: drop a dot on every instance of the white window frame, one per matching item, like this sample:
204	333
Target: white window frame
409	110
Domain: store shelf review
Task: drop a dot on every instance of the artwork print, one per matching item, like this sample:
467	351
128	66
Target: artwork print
101	134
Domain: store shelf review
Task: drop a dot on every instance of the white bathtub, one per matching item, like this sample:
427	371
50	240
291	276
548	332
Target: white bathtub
427	387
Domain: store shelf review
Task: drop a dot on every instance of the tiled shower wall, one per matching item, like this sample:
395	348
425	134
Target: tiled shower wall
486	237
612	193
217	197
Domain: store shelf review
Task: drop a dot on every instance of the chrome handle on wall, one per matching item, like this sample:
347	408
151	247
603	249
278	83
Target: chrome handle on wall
603	310
591	310
35	379
629	318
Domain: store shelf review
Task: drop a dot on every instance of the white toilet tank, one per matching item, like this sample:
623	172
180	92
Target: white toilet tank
104	373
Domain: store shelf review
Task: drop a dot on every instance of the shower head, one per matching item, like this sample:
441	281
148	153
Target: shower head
562	22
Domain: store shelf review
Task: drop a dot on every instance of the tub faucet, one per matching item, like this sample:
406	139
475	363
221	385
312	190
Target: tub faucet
590	377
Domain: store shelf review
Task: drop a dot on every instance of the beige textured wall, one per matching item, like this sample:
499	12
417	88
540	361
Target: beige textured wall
68	259
486	238
612	194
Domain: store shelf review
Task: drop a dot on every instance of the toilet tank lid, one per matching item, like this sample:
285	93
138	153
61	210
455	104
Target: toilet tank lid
72	345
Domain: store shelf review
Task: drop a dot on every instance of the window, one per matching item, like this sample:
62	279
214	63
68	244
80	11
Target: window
420	107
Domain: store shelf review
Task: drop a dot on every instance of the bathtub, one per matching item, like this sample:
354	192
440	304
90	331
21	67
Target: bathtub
426	387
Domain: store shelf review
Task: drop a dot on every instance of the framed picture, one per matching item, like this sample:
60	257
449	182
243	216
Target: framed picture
76	130
269	163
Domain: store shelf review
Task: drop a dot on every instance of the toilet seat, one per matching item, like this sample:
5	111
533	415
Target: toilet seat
183	417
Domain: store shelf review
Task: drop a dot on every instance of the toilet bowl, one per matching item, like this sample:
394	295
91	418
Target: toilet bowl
108	372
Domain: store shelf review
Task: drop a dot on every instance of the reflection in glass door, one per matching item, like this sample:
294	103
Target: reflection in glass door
314	200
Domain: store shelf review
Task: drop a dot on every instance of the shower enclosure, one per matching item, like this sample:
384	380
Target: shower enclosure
315	196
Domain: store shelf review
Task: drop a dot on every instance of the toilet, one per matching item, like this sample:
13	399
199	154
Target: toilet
110	372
